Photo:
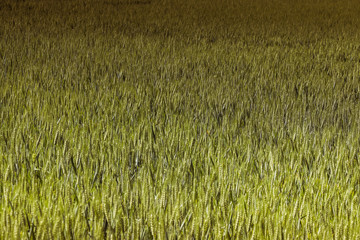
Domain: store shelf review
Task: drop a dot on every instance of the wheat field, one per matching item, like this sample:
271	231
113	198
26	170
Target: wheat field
179	119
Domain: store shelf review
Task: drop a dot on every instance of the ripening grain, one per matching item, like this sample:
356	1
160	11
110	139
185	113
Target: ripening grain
171	119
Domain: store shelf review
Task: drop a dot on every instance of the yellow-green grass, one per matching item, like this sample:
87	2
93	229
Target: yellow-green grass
170	119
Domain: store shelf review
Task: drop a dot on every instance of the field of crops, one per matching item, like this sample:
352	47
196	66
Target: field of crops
179	119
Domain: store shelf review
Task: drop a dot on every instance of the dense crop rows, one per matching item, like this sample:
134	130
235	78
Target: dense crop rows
171	119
